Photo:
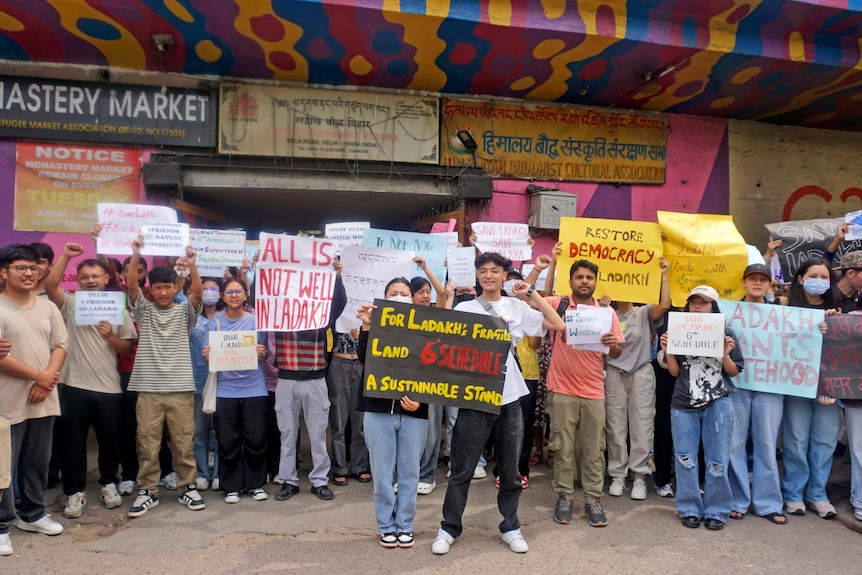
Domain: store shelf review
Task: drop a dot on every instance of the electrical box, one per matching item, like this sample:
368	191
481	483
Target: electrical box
547	207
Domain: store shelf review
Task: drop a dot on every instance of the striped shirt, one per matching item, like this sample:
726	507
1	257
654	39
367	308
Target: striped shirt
163	361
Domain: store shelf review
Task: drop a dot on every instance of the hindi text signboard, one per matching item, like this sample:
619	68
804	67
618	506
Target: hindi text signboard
841	358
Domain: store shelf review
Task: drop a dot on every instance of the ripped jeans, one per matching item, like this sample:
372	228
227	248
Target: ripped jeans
714	426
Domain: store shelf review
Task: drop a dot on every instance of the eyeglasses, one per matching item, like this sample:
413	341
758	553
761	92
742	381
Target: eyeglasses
22	269
234	292
91	277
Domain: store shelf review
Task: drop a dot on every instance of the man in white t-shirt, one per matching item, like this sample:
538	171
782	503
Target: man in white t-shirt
473	428
28	398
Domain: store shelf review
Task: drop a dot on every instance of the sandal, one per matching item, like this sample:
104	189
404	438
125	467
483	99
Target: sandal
363	477
777	518
340	480
736	515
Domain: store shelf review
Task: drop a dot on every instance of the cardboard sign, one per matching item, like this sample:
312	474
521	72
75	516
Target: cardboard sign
295	282
121	224
841	358
365	273
91	307
780	345
233	350
165	239
695	334
462	266
703	249
217	249
509	240
432	247
433	355
585	326
627	254
804	239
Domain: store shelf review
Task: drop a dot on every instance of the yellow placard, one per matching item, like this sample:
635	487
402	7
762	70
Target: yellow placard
555	142
626	252
703	249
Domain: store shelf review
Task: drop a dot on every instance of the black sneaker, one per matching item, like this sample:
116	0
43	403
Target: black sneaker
563	511
323	492
596	514
286	492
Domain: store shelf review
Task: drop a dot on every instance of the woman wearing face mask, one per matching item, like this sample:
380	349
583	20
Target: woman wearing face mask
422	287
205	441
810	426
395	431
241	403
701	411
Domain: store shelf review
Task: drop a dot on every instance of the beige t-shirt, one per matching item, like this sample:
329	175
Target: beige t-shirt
91	363
34	330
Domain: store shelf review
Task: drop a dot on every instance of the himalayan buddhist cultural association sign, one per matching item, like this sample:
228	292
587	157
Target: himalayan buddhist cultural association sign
433	355
107	113
307	123
555	142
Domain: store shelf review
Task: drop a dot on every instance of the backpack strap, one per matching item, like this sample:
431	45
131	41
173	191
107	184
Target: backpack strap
492	312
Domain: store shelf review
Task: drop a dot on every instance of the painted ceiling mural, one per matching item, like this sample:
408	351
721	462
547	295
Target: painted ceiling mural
782	61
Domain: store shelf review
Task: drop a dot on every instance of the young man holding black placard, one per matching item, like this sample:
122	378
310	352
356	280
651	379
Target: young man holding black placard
473	428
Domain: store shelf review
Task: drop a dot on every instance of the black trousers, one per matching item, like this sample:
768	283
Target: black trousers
663	439
240	426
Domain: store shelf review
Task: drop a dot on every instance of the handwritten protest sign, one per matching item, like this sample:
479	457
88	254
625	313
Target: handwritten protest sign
295	282
703	249
854	225
585	326
804	239
120	224
165	239
432	247
627	254
780	345
232	350
434	355
509	240
700	334
91	307
462	266
217	249
346	233
841	358
365	273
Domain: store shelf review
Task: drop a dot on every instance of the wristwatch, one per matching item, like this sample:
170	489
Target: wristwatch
530	291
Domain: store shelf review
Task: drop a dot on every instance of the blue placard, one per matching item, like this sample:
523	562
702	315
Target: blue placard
781	346
432	247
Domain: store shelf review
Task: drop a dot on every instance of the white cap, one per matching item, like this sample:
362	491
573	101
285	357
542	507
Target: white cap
706	292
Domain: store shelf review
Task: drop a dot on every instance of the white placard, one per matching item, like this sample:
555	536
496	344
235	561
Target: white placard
854	230
526	269
347	233
91	307
232	350
217	249
700	334
165	239
365	272
120	225
509	240
585	326
462	266
754	255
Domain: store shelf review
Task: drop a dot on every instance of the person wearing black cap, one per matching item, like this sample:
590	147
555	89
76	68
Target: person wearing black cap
760	413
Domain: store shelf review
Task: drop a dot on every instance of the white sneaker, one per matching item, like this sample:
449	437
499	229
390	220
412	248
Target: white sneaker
479	473
232	497
109	496
618	485
639	489
426	488
127	487
202	483
516	541
5	545
258	494
276	480
664	490
75	505
169	481
44	525
857	513
215	485
448	473
191	498
442	543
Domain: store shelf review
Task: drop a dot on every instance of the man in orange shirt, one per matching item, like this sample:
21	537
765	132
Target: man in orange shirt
576	402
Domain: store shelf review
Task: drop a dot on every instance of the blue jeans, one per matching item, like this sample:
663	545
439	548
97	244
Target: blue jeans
432	443
472	430
395	444
853	418
760	413
713	425
810	437
205	441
